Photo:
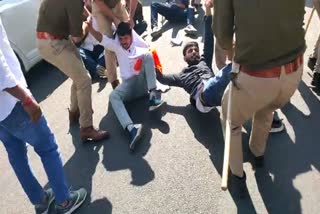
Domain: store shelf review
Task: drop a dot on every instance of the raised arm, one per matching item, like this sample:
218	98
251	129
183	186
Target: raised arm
208	40
102	39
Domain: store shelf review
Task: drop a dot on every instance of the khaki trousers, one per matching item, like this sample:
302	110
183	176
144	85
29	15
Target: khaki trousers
257	98
64	55
316	50
105	27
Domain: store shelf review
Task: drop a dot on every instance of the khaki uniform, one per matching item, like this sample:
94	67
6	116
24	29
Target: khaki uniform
270	58
104	25
63	18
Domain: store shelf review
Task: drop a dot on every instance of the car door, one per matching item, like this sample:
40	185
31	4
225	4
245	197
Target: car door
19	18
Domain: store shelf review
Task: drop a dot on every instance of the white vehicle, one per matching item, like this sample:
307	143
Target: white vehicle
19	18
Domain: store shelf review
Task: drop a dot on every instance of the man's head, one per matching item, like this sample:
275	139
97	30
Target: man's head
191	53
124	33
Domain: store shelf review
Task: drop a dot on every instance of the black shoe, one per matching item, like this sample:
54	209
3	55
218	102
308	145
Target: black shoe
44	207
276	126
259	161
135	136
238	186
316	80
75	201
312	62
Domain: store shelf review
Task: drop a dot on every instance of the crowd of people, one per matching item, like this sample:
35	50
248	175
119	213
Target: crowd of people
91	38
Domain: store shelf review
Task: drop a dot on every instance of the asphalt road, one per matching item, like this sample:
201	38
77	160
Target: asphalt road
177	168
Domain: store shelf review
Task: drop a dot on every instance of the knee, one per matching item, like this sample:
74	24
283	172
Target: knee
84	80
114	96
148	57
47	147
236	129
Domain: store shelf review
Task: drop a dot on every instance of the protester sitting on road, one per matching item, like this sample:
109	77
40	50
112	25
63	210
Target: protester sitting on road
137	72
173	11
198	79
91	52
21	122
139	24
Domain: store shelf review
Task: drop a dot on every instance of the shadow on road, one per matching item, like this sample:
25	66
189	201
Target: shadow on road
44	79
207	130
287	158
116	155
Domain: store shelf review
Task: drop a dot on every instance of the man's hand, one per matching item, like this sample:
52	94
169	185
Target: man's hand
208	3
131	21
29	104
33	109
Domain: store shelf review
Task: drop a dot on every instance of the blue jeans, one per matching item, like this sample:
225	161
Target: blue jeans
17	130
171	12
93	59
214	88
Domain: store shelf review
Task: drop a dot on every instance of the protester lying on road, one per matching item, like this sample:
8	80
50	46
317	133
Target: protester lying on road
198	79
137	72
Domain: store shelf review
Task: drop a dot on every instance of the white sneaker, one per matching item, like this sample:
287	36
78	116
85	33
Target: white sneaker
190	30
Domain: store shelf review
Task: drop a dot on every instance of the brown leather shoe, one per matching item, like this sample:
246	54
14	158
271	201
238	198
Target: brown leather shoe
74	117
115	83
92	134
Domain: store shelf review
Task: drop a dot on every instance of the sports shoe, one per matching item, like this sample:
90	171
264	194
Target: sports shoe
156	32
276	126
75	201
190	30
135	135
44	207
155	100
312	62
101	71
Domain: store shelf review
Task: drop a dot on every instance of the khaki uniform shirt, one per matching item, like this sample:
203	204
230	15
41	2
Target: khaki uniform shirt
61	17
268	33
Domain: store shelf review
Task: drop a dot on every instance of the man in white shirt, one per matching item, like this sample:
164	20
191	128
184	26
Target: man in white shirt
137	72
21	122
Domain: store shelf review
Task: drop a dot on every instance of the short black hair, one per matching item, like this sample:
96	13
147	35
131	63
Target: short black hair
124	29
188	45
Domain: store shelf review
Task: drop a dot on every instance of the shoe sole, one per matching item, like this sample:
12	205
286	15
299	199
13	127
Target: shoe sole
155	34
277	130
136	139
190	32
152	108
77	205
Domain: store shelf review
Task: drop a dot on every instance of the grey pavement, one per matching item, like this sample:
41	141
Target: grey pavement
177	168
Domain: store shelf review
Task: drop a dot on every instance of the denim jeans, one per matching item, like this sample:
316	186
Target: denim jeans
17	130
171	12
214	88
93	59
